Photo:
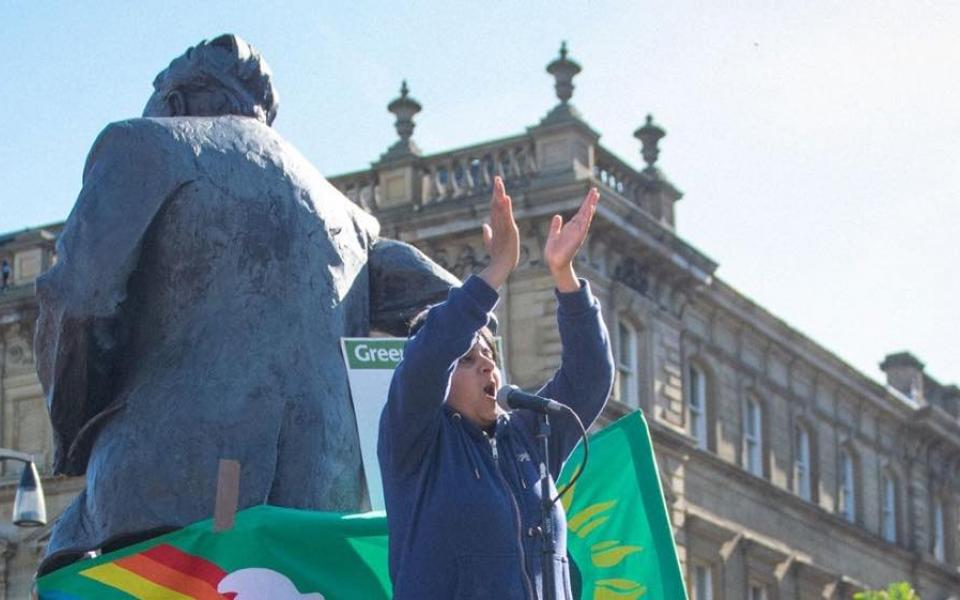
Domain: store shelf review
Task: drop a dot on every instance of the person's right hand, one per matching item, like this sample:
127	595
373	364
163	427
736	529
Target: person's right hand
501	238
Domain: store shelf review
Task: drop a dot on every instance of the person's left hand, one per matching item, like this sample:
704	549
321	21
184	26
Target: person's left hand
564	241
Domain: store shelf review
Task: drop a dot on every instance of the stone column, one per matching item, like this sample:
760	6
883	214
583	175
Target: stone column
667	372
918	499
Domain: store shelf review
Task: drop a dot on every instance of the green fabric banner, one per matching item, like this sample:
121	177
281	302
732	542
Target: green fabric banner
619	536
619	539
271	552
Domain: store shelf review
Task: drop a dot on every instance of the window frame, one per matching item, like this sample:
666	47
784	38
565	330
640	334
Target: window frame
938	528
847	495
628	372
698	422
802	469
752	451
752	587
696	591
889	513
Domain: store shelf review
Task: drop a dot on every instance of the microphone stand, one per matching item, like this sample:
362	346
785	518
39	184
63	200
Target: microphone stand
546	510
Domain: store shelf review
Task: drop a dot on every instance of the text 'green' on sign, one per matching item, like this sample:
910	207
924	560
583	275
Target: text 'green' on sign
369	353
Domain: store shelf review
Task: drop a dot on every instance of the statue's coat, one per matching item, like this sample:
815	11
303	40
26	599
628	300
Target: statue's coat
202	283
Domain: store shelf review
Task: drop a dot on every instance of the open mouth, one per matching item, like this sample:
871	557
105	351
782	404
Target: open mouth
490	389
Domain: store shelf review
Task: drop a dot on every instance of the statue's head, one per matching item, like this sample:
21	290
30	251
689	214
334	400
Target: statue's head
224	76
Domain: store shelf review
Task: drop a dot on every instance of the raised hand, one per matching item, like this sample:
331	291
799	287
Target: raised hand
501	238
564	241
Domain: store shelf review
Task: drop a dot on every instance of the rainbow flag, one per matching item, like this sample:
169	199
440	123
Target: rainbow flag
161	572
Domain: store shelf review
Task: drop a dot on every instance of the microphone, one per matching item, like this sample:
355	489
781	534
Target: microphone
514	397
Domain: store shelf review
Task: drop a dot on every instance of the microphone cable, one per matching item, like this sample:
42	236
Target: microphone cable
583	463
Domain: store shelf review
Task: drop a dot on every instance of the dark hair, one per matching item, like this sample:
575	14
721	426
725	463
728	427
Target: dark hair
227	64
416	323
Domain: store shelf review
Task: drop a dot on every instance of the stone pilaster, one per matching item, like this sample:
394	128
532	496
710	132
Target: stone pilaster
918	500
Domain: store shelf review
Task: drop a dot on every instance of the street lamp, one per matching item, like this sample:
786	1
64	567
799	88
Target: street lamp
29	506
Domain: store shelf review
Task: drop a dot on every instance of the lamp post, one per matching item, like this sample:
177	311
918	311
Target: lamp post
29	506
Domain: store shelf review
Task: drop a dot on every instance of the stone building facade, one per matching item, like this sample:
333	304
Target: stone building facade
788	474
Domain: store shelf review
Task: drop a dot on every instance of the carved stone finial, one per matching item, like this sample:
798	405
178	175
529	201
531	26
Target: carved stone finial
563	71
650	135
404	108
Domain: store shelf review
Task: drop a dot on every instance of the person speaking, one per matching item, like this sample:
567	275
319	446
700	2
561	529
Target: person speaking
460	473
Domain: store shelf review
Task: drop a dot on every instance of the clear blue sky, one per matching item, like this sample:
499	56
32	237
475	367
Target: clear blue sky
817	143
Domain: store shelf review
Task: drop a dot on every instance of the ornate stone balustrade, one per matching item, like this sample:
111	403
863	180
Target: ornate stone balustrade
468	171
450	175
647	189
616	175
361	187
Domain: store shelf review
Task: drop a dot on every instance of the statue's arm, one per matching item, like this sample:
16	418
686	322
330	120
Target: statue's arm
81	327
403	281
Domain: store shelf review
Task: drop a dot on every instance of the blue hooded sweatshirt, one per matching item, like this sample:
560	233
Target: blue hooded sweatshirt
463	507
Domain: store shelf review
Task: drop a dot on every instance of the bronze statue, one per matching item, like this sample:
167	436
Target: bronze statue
203	281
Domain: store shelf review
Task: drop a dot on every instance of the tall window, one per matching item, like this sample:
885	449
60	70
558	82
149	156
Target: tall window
697	405
702	583
848	498
889	524
939	545
627	366
752	437
801	462
757	592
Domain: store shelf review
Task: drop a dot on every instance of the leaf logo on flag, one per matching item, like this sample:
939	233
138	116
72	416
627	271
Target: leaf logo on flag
618	534
605	554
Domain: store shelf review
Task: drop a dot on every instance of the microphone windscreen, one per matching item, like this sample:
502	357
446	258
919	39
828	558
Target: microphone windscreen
503	392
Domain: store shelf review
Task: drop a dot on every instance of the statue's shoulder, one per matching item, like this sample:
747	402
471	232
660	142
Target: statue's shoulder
153	131
269	144
142	130
144	138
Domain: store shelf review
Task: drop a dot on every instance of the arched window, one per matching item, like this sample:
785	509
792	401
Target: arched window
848	493
889	508
697	406
938	544
753	437
627	365
801	463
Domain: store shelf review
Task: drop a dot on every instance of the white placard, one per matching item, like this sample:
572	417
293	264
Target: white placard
370	364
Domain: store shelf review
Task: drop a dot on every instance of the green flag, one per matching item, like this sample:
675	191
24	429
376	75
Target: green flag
619	535
619	539
270	552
